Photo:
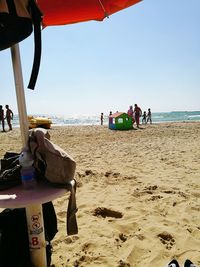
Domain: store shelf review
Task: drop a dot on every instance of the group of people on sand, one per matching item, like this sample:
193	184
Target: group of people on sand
146	117
8	117
136	112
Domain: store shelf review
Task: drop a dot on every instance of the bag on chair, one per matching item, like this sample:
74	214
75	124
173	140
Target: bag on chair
57	167
17	18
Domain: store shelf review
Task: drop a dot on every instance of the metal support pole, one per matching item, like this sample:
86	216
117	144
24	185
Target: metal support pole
19	87
37	243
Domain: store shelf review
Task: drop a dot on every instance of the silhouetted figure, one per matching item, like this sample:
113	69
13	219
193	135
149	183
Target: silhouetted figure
101	118
144	117
2	118
149	116
9	117
138	113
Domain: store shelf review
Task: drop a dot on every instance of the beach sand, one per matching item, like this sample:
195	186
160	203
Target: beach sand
138	195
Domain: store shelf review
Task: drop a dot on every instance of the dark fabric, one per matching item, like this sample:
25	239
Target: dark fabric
50	220
14	29
9	160
10	178
10	171
14	250
72	226
14	244
11	7
36	18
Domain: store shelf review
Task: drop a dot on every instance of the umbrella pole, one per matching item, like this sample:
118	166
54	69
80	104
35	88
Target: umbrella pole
19	87
37	242
34	214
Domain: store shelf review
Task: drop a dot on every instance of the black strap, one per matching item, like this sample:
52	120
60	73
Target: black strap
72	227
37	18
11	7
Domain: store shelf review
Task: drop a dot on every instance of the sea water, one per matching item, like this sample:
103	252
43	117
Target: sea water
157	117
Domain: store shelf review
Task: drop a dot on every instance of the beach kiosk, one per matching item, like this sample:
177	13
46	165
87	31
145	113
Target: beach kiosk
120	121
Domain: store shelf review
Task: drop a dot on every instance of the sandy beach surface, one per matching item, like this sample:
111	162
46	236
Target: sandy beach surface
138	195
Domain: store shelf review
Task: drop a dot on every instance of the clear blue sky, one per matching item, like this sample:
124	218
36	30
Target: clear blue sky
148	54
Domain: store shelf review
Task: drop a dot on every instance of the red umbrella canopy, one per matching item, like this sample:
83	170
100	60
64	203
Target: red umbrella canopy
60	12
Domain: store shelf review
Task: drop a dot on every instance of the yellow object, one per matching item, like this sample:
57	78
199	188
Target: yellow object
35	122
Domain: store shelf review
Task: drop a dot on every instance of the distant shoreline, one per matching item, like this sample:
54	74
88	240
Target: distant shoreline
106	124
162	117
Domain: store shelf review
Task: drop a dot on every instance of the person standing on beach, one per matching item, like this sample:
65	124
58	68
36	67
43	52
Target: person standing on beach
138	113
144	118
110	119
131	113
101	118
9	117
149	116
2	118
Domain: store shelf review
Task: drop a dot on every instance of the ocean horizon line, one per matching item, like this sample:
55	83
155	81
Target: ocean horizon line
157	117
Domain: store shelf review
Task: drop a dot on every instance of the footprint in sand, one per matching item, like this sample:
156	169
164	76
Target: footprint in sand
89	172
114	174
151	187
70	239
121	239
104	212
123	264
169	192
167	239
153	198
